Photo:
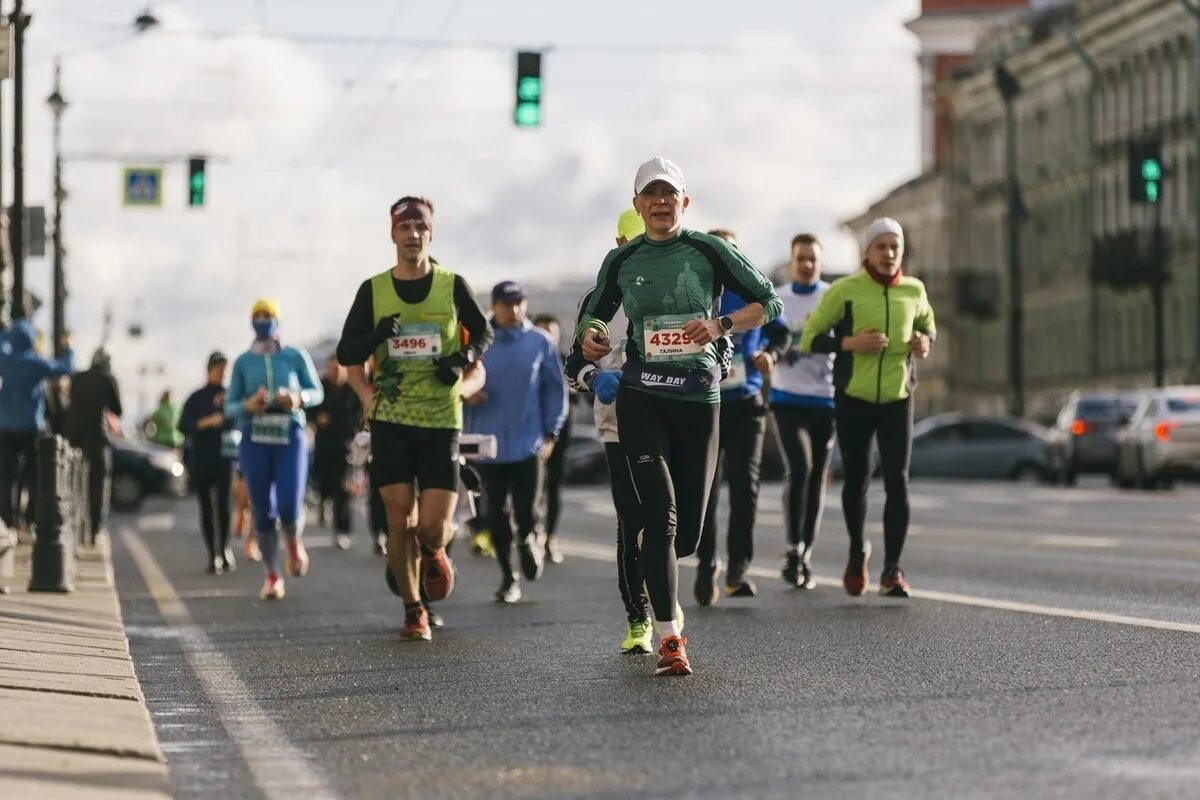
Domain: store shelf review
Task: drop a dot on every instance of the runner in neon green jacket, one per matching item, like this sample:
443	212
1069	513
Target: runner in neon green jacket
881	319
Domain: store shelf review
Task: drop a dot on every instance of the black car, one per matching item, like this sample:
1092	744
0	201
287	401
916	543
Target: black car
141	469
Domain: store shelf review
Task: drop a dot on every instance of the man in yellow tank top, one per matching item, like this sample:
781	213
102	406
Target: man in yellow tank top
410	319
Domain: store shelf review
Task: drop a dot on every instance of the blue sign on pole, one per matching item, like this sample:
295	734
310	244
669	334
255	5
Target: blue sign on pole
143	186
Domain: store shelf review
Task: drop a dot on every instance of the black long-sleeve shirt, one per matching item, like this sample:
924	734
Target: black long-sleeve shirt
359	341
204	451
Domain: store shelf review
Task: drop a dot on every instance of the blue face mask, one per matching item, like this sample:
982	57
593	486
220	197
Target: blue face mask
266	329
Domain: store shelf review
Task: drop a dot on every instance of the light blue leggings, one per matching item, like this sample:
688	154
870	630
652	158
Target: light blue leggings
276	475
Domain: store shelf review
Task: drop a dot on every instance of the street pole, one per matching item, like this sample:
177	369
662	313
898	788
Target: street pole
58	105
1194	9
1158	285
1093	286
1010	88
16	217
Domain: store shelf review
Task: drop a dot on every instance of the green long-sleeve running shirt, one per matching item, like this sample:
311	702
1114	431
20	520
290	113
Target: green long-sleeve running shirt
662	285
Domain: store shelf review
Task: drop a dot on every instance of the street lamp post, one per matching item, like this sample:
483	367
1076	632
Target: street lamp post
16	222
1010	88
58	104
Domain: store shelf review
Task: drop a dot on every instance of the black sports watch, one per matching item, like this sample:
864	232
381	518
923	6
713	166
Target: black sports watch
726	323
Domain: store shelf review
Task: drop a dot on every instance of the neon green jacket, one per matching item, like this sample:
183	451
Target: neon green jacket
857	303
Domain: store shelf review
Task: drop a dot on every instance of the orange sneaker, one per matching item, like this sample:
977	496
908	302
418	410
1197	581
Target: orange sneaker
437	574
272	588
893	583
672	658
854	580
297	558
416	625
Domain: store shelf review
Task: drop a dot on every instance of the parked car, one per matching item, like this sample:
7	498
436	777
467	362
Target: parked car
1161	443
141	469
973	447
1084	438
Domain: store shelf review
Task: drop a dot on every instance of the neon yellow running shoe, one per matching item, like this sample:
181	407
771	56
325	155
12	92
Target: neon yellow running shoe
637	638
481	544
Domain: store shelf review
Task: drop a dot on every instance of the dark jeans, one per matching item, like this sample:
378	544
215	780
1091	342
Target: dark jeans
859	422
629	525
671	446
806	437
522	481
555	466
99	461
18	470
212	490
739	457
330	467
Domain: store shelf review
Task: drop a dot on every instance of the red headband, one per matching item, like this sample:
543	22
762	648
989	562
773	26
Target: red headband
412	211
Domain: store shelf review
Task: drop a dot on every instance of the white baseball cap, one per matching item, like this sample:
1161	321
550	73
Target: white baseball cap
658	169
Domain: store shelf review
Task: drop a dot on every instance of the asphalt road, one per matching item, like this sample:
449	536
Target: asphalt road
1055	653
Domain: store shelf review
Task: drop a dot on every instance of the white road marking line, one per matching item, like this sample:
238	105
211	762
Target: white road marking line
156	522
602	553
280	770
1054	540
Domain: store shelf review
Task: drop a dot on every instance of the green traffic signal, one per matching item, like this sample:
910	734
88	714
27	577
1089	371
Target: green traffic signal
1152	174
529	89
527	114
196	182
527	107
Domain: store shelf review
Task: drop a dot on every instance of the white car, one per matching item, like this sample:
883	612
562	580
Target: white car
1161	443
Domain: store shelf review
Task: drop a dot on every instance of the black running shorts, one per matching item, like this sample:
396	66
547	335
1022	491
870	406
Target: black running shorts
427	457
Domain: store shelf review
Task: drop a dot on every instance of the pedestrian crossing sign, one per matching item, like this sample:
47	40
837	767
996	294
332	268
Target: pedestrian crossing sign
143	186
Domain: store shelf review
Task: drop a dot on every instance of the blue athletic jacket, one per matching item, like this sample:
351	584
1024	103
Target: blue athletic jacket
745	379
526	393
290	367
22	371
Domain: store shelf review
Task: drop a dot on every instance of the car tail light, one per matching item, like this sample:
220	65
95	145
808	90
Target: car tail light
1163	430
1079	427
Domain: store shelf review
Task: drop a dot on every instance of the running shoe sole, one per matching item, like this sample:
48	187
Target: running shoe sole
437	575
636	650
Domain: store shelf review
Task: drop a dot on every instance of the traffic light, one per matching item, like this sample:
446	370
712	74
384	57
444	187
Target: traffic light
196	182
1146	171
527	113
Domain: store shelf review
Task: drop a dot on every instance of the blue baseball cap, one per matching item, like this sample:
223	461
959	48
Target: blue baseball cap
508	292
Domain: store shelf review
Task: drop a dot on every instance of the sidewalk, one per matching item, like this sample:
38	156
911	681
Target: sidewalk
73	721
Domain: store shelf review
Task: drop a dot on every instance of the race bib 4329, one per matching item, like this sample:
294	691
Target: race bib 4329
665	340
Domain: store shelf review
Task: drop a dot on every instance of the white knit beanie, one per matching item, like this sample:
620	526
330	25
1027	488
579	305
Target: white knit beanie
879	227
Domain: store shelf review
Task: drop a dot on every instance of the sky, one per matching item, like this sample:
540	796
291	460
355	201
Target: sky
785	116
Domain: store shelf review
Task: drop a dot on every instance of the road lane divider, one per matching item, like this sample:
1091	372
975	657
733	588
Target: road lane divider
605	553
280	770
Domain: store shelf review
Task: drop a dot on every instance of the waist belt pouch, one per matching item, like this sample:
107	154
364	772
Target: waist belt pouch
665	377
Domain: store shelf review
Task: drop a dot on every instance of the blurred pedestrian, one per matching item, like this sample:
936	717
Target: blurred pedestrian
163	426
556	465
335	420
270	389
523	405
22	418
206	427
92	416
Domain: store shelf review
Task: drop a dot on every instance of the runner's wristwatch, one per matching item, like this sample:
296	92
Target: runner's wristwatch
726	323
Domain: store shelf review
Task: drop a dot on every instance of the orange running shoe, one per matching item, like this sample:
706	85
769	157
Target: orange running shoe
437	574
854	580
416	625
672	658
892	583
297	558
272	588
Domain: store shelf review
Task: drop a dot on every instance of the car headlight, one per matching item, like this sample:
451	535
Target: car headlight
167	462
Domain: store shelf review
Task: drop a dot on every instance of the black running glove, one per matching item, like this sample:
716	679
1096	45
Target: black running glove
386	328
449	368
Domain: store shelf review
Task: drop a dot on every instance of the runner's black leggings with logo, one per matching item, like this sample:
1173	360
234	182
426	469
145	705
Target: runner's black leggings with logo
671	446
859	422
522	481
629	525
806	436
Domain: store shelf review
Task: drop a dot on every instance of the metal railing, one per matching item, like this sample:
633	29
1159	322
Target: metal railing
63	517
